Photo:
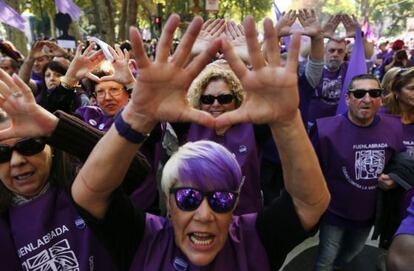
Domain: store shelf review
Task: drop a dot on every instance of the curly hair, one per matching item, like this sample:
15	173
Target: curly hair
215	72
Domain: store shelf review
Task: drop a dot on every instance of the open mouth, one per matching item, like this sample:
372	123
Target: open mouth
201	239
23	177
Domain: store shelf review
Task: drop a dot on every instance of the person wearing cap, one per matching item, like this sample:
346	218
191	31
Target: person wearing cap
353	149
202	180
400	256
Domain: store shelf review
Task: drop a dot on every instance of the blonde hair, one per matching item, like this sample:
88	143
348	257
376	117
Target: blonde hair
214	71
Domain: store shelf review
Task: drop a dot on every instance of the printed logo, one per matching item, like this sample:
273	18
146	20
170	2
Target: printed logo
410	150
331	90
369	164
58	257
92	122
101	126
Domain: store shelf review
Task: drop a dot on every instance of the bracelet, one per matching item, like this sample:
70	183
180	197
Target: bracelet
125	130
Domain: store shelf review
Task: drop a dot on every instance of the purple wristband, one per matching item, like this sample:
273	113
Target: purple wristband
125	130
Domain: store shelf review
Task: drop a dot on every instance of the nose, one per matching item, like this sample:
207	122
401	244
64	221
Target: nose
204	213
17	159
367	98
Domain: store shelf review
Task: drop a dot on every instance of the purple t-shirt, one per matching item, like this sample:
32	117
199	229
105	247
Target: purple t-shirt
407	225
8	254
95	117
325	98
408	138
352	158
49	234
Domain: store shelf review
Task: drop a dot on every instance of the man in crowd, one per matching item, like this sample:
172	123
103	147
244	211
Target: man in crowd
322	90
9	65
353	149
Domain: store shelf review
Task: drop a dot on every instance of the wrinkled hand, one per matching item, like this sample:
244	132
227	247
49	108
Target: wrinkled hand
310	23
271	90
122	73
351	25
236	36
330	27
210	31
285	23
28	118
386	183
84	63
161	86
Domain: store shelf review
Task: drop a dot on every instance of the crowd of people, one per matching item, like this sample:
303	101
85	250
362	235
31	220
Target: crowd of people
220	152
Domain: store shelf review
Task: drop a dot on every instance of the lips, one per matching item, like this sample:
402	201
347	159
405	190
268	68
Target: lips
201	239
216	113
23	176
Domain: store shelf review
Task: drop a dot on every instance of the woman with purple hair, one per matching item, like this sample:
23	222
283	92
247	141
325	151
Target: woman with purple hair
201	182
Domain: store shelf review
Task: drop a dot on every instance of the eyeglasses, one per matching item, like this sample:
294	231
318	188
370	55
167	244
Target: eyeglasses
189	199
114	92
26	146
360	93
222	99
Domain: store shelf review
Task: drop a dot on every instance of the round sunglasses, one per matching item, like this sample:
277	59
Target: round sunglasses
25	146
221	99
189	199
360	93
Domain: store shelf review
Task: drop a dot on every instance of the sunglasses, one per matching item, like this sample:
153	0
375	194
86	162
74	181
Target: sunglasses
360	93
25	146
189	199
222	99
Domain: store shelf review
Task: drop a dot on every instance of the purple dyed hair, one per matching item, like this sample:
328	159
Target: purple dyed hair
203	164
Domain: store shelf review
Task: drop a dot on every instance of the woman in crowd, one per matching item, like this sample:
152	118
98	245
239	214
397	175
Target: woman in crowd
200	234
400	102
34	178
217	90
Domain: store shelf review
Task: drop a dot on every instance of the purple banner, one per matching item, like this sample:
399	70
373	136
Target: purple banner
10	17
67	6
356	67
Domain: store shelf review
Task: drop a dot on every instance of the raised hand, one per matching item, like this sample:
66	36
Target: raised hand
330	26
271	90
161	86
351	25
122	73
210	31
285	23
37	49
28	118
54	49
309	22
236	36
83	64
